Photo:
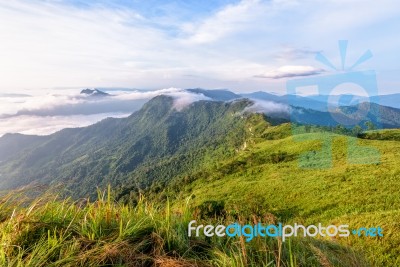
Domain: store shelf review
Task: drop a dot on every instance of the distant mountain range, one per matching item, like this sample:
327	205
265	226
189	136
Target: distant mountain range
317	102
297	101
324	110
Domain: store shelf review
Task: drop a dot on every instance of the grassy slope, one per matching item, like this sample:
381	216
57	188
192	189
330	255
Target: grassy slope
47	231
354	194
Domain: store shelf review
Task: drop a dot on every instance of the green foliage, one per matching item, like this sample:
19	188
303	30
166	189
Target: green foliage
357	130
370	125
388	134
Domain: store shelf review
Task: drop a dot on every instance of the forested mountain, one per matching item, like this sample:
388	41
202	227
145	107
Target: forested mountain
154	143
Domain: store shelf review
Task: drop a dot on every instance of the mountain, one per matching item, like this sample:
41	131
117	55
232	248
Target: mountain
217	94
155	143
321	102
382	116
226	95
12	144
222	161
391	100
349	116
264	96
93	92
292	100
339	100
344	109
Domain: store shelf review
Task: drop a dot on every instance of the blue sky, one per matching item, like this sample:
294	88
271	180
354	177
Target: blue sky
243	45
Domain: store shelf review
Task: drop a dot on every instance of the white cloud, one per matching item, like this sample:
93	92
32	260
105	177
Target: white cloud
51	43
44	125
13	105
184	99
290	71
73	103
45	114
232	18
269	108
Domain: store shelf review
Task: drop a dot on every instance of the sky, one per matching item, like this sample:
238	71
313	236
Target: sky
243	45
51	49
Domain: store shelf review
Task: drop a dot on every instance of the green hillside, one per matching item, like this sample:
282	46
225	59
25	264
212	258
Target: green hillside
265	178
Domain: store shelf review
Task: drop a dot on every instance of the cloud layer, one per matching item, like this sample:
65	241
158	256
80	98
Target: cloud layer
269	107
44	125
45	114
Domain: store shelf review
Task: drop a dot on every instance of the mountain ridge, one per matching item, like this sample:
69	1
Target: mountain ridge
118	150
133	152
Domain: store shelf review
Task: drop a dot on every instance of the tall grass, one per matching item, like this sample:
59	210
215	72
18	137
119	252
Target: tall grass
46	230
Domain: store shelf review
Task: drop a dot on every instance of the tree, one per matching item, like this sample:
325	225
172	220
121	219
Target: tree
339	129
357	130
370	126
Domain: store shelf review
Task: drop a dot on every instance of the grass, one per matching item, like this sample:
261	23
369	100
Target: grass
345	191
43	230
